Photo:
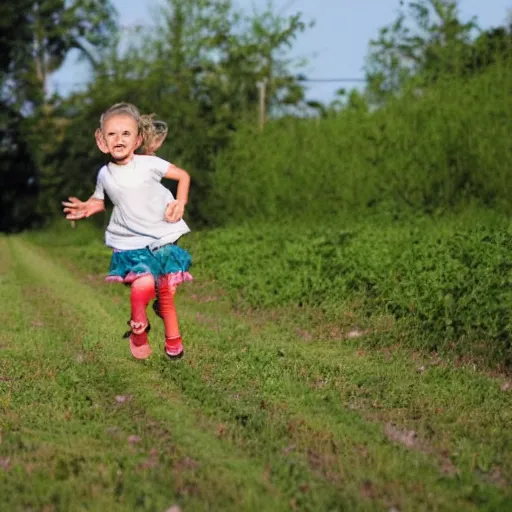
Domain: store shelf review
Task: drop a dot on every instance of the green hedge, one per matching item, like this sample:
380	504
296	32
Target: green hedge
427	151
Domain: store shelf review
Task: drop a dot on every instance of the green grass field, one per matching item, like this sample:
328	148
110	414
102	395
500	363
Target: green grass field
265	412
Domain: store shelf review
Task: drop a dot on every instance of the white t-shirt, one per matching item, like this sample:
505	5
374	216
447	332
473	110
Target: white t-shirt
139	199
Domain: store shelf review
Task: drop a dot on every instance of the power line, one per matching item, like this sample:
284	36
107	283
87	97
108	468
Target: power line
327	80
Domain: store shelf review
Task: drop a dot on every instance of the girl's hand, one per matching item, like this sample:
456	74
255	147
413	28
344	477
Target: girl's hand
76	209
174	211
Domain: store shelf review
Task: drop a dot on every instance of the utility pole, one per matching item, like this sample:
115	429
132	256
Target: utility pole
262	89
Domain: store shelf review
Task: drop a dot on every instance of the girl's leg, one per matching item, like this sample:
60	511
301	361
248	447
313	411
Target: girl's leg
167	309
143	290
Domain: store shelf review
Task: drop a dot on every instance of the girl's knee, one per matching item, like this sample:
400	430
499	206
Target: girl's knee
165	286
143	289
144	283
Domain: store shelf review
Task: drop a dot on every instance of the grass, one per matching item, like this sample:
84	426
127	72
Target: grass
79	430
437	285
260	415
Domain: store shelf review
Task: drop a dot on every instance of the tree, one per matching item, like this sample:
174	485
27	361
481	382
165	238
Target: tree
490	47
35	37
39	34
18	174
198	71
426	41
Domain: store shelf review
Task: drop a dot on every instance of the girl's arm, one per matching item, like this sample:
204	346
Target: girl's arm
76	209
175	210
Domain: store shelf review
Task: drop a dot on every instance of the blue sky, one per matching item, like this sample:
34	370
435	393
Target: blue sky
335	47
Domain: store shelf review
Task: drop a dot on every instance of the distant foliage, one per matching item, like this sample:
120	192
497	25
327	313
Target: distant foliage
198	72
449	283
36	38
429	133
426	151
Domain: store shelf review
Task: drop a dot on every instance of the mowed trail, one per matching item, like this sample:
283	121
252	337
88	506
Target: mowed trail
253	418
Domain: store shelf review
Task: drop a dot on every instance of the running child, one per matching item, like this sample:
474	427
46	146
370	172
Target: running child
145	224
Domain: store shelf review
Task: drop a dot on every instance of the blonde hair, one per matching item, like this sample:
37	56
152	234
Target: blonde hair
122	109
154	132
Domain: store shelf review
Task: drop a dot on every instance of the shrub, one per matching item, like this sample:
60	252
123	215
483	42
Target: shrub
449	283
426	151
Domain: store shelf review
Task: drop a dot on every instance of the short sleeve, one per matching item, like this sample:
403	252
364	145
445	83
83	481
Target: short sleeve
99	191
159	166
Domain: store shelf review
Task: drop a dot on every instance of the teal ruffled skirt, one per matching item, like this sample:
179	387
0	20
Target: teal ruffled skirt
170	260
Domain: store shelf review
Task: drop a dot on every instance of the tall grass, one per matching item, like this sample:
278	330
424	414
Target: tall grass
428	150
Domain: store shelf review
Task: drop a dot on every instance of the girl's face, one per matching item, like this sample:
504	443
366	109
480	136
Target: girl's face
121	134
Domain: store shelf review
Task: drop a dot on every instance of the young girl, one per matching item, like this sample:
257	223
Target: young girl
144	226
154	134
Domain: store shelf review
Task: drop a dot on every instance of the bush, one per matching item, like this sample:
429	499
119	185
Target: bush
426	151
449	283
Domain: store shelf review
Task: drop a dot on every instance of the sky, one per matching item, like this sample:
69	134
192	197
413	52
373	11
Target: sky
335	47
